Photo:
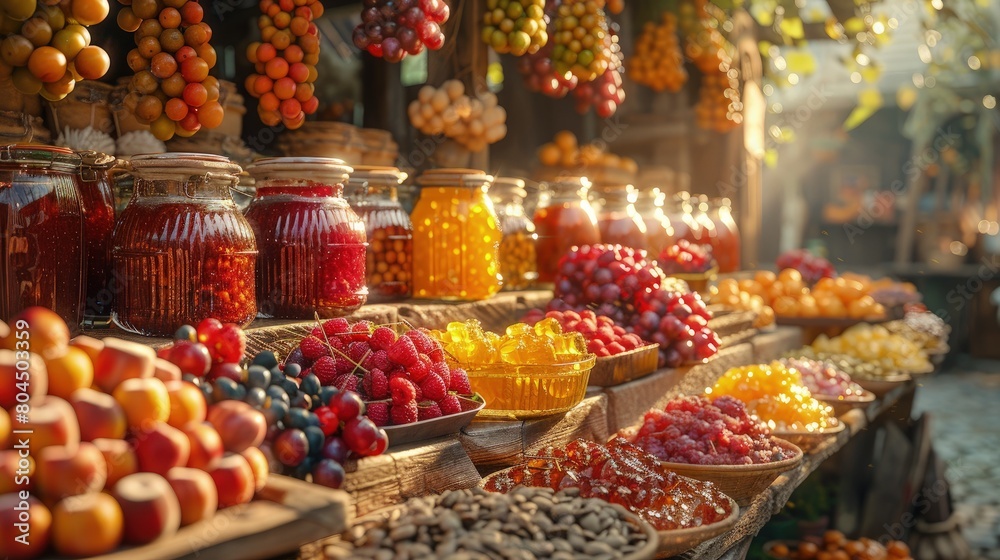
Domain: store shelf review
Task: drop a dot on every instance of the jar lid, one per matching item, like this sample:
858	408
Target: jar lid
40	156
97	160
568	184
312	168
509	186
377	175
182	163
454	177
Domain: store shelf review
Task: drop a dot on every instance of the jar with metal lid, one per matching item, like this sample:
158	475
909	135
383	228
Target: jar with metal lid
98	201
564	219
182	251
518	264
372	192
456	236
617	219
312	244
42	228
659	230
726	242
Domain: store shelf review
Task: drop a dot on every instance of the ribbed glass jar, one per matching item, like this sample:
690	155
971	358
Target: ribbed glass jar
518	263
564	219
373	193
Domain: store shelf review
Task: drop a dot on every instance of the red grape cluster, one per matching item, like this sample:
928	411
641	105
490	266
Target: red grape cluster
604	337
402	378
540	75
678	322
391	29
697	431
811	267
685	257
605	93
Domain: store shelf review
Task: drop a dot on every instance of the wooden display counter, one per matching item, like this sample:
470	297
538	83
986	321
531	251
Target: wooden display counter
770	345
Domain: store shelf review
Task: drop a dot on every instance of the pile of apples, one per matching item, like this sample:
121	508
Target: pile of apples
121	450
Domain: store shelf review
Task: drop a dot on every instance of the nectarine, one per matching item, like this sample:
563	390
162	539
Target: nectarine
119	457
16	472
161	448
233	480
52	422
258	464
13	369
99	415
150	506
187	403
120	360
25	525
68	369
206	445
240	425
62	472
145	401
92	346
47	331
195	492
166	371
5	428
87	525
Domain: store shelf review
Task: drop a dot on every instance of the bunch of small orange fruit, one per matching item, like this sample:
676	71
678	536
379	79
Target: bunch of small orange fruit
846	296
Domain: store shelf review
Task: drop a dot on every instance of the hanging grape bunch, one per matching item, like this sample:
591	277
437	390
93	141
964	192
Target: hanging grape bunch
658	62
605	93
171	89
391	29
538	69
47	45
473	122
517	27
582	41
285	62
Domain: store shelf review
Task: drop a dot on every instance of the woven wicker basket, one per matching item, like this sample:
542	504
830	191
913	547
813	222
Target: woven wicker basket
809	441
88	105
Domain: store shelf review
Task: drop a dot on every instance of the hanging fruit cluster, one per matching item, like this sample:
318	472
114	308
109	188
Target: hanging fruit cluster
391	29
171	89
540	75
285	62
517	27
658	62
48	47
719	107
605	93
474	122
582	39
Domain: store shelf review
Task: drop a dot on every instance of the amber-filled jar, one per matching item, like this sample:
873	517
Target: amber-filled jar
98	200
617	219
659	230
311	243
518	263
564	219
373	193
182	251
456	237
682	219
726	242
42	228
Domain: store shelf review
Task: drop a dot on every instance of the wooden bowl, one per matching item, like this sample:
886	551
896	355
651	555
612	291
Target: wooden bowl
809	441
843	405
882	385
679	541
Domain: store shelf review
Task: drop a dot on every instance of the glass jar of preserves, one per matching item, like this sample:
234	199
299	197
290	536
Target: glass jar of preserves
726	243
682	219
312	244
42	229
456	237
518	265
706	227
564	219
659	231
98	201
372	192
617	219
182	251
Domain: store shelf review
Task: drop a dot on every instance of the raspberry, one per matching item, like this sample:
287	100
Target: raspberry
429	412
344	365
450	405
357	351
375	384
382	338
333	327
346	382
460	382
443	371
318	333
325	369
420	393
419	369
405	413
434	388
422	341
403	351
402	390
313	348
378	412
361	331
377	360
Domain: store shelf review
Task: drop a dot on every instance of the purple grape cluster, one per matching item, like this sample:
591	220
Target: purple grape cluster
391	29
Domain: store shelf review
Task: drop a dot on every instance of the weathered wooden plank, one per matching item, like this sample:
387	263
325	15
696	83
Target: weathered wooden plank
496	444
769	346
495	314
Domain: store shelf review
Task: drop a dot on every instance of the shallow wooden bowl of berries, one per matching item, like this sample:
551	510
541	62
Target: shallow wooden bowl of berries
435	427
518	391
882	385
842	405
624	367
809	441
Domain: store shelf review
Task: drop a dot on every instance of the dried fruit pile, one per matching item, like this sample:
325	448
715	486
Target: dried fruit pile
623	474
875	344
777	396
824	379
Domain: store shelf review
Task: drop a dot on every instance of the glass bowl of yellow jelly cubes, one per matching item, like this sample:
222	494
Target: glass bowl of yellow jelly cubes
524	372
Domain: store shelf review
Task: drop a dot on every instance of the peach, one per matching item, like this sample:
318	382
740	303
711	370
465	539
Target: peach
21	372
52	422
206	445
240	425
92	346
258	464
64	472
16	472
68	370
195	492
99	415
150	507
166	371
161	448
145	401
234	480
25	526
46	331
5	428
87	525
120	360
187	403
119	457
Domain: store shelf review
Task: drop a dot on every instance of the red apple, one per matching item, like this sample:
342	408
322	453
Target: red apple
195	492
19	375
166	371
25	526
64	471
52	421
16	472
99	415
161	448
234	480
240	425
150	507
206	445
119	457
120	360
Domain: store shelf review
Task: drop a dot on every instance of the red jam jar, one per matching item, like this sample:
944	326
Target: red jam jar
564	219
682	219
312	244
98	200
42	229
726	243
617	219
182	251
372	192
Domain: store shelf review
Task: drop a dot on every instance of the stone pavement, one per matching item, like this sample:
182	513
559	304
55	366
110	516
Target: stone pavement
965	408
